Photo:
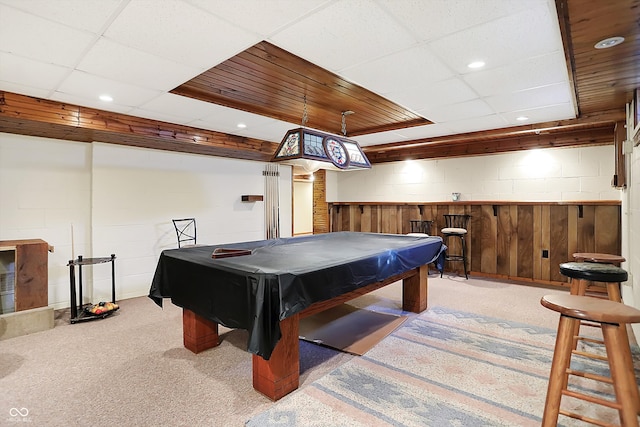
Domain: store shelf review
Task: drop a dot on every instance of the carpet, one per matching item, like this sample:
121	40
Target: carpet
442	368
349	329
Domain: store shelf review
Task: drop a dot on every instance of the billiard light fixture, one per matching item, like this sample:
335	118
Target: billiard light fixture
312	150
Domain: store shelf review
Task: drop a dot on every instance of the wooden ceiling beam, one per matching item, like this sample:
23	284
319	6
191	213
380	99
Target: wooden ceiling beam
25	115
564	134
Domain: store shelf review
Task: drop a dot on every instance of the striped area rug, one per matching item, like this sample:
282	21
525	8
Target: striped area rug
443	368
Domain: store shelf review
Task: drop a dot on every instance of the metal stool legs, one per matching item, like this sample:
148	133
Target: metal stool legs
461	257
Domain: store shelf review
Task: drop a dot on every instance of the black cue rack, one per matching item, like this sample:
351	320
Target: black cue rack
78	314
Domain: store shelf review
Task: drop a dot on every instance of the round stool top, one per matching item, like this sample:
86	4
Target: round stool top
453	230
596	257
594	271
589	308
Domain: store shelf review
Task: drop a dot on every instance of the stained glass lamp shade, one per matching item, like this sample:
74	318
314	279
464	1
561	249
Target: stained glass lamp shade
313	150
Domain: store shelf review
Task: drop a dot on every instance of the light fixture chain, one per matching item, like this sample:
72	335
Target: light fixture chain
305	116
344	124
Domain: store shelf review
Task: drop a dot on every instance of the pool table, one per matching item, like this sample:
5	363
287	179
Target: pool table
266	286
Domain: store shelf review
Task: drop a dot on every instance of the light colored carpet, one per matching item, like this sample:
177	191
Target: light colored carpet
131	368
444	368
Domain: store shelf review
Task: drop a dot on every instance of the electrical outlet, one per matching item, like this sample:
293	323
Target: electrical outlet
545	253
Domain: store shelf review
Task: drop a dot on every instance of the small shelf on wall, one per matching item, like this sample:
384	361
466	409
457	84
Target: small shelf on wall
252	198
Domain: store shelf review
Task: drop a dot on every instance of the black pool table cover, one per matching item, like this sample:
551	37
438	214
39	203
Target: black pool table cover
283	276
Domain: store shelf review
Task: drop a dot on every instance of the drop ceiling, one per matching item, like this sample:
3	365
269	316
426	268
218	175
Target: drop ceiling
409	56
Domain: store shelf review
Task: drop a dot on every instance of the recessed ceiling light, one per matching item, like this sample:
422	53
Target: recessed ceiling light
476	64
522	118
106	98
241	125
610	42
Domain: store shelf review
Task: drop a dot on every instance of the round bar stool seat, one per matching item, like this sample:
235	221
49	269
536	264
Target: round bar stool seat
612	318
597	257
594	271
585	272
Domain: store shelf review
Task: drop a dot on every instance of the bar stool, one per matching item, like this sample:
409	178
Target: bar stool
581	273
612	318
420	226
598	257
456	226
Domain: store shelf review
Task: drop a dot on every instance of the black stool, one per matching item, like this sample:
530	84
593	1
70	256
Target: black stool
581	273
420	226
456	226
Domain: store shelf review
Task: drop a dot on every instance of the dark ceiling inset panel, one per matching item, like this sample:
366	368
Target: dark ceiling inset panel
269	81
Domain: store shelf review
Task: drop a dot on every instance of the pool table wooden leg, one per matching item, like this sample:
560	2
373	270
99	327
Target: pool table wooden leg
198	333
414	291
280	375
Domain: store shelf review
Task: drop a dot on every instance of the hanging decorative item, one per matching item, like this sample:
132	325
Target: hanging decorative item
313	150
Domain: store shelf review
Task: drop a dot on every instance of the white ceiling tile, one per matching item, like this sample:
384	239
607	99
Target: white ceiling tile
180	32
185	108
273	130
36	38
155	115
512	38
406	134
39	75
462	110
528	73
430	19
537	115
90	15
531	98
428	131
343	34
378	138
24	90
399	71
474	124
432	95
226	120
263	17
118	62
83	101
90	87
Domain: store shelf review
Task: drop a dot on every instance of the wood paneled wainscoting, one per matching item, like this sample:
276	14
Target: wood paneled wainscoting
524	241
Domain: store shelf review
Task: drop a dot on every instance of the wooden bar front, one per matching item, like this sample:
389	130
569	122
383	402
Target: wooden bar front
523	241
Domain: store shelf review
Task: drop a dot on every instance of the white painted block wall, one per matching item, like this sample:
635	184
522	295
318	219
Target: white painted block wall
631	240
98	199
560	174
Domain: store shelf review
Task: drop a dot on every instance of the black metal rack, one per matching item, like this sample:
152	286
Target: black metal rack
78	314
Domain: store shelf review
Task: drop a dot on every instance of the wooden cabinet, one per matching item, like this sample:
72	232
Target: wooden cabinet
523	241
24	274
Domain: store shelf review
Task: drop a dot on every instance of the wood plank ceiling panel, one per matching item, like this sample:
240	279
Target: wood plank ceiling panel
604	78
270	81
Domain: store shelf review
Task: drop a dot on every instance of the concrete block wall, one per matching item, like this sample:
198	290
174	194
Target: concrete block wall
97	199
560	174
